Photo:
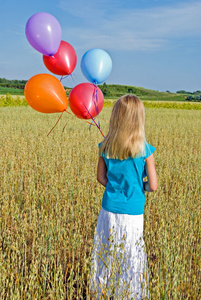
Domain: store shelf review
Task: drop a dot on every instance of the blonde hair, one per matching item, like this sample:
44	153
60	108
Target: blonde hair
126	135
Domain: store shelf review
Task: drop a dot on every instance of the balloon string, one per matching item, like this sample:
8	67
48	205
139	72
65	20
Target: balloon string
63	77
64	127
67	122
97	126
69	113
56	123
94	121
74	116
73	79
95	98
91	123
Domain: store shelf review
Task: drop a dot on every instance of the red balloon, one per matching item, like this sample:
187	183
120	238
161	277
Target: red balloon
86	100
63	62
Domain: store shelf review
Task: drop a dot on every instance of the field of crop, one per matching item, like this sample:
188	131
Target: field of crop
16	100
50	200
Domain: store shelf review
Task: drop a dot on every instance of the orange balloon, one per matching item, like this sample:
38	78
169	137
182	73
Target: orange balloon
45	94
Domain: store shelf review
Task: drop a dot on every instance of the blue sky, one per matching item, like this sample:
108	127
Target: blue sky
155	44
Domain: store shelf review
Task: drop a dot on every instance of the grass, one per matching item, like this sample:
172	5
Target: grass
50	201
12	91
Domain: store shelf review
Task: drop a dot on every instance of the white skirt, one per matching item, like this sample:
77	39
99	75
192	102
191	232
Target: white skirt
119	265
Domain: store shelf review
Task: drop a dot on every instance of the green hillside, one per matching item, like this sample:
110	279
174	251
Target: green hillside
114	91
111	91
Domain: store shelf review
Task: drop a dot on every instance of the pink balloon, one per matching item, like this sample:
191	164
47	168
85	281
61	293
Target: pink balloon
43	32
86	100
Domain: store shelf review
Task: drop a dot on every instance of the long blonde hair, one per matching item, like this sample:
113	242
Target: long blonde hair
126	135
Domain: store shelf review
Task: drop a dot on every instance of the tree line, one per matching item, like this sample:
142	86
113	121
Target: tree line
194	96
16	84
109	90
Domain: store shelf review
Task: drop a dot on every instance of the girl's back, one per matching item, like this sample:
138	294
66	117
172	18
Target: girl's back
124	193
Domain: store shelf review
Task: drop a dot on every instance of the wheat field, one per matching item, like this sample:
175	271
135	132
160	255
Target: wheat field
50	200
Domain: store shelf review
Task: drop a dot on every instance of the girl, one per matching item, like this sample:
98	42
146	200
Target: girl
119	268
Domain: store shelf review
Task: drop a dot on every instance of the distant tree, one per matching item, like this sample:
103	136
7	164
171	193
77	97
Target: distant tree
3	80
189	98
196	98
197	93
182	92
105	89
16	84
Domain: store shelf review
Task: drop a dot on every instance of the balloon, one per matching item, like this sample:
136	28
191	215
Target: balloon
43	32
96	65
46	94
86	100
63	62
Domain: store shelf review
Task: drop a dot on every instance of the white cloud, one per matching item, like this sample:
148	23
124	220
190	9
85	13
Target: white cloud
103	25
14	32
90	9
177	21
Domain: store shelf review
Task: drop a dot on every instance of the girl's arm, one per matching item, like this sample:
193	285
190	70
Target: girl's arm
152	184
102	172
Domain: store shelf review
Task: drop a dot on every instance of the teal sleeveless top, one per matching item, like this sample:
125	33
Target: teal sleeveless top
124	192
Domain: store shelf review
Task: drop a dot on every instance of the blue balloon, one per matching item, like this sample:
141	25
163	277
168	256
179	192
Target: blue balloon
96	65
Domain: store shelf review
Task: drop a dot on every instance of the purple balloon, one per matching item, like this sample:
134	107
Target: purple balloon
43	32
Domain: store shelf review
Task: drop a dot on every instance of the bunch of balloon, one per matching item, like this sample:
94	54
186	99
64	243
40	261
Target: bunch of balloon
86	100
44	92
